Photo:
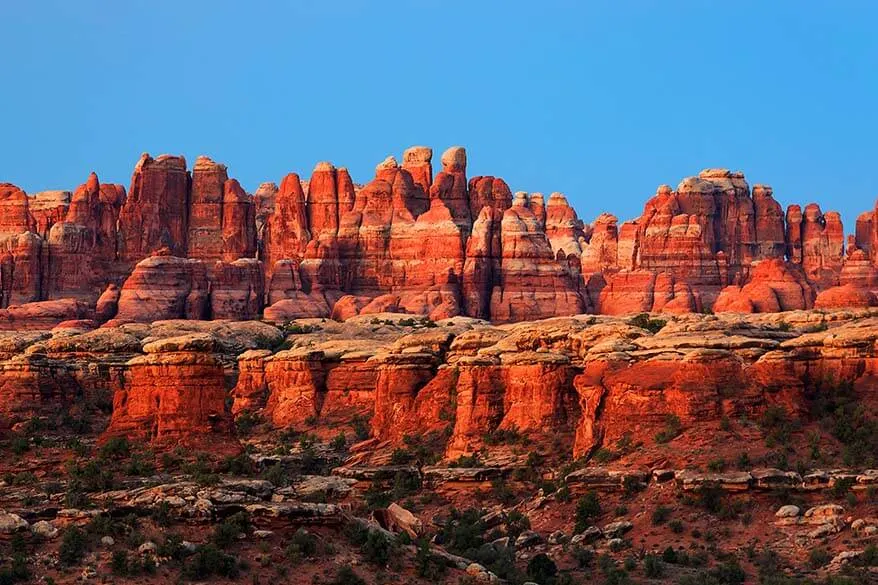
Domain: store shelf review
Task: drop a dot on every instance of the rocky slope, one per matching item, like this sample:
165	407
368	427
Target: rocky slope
742	441
408	241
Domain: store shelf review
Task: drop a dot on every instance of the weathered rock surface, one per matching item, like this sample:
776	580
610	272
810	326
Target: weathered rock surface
164	287
436	246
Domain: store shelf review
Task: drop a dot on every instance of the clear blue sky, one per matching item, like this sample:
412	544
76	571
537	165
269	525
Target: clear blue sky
600	100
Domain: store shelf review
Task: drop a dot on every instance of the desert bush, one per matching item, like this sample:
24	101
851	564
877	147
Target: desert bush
644	322
673	427
74	545
588	508
660	515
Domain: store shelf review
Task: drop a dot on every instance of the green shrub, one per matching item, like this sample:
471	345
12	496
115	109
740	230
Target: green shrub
660	515
172	548
501	491
339	442
246	421
347	576
673	427
644	322
516	523
631	485
15	569
74	545
508	436
588	508
228	530
604	455
466	461
584	557
844	415
377	549
208	561
542	569
653	567
462	532
776	426
119	563
428	565
869	558
92	476
20	445
818	557
303	545
116	448
361	428
717	465
711	497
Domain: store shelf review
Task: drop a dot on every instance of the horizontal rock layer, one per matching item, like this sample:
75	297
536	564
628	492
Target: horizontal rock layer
583	381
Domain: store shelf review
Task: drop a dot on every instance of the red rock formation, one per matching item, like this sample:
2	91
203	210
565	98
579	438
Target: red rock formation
451	188
290	299
863	236
490	192
263	200
794	234
20	269
736	218
156	212
533	284
628	247
846	296
108	303
602	250
15	216
296	385
399	380
628	292
173	398
250	394
822	245
48	208
770	236
774	286
564	229
691	389
416	160
323	202
42	314
348	306
238	224
237	289
299	386
420	244
643	291
286	231
34	385
676	232
481	272
164	287
80	251
206	217
858	271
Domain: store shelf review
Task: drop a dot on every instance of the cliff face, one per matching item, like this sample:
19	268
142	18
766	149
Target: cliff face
410	241
580	382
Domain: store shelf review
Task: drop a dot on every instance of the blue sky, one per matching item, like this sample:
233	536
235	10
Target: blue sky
600	100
